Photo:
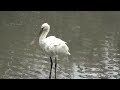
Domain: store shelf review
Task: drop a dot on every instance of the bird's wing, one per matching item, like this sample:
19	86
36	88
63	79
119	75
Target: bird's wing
53	44
52	40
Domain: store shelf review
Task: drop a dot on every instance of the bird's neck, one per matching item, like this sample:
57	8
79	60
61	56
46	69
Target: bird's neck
43	35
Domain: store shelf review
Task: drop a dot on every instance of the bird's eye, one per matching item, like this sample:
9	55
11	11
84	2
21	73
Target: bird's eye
42	28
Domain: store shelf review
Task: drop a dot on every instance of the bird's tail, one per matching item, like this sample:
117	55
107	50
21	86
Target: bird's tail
69	53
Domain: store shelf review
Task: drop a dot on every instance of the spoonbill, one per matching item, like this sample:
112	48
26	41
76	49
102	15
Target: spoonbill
52	46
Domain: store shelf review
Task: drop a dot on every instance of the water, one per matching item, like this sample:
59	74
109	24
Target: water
93	38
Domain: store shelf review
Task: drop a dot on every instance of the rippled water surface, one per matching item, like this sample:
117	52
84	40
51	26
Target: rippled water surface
93	39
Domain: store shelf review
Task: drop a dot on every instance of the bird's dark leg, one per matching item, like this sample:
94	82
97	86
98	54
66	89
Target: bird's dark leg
50	67
55	66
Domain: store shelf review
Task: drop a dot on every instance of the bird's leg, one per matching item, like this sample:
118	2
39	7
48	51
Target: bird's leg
55	66
50	68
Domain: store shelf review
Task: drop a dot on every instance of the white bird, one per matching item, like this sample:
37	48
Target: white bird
51	45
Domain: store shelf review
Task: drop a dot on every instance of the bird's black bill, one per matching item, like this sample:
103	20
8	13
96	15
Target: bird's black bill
36	38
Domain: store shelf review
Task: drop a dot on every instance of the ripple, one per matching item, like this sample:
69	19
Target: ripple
111	74
116	59
96	69
111	67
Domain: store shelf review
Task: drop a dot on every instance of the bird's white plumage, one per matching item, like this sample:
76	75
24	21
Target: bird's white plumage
54	46
51	45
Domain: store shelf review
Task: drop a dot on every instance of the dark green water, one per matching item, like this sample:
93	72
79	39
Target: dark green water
93	38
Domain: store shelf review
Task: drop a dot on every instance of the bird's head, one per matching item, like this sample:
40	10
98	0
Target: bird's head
45	27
